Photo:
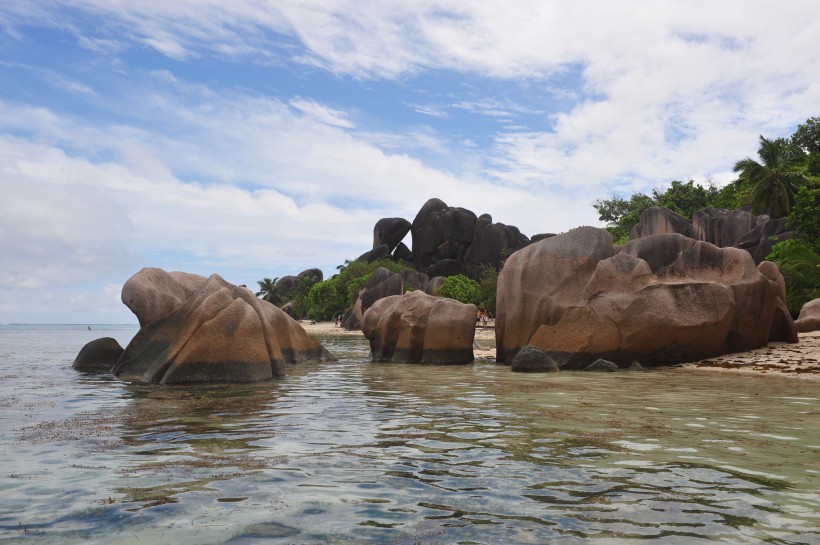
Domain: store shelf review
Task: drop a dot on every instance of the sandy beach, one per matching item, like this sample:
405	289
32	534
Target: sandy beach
801	360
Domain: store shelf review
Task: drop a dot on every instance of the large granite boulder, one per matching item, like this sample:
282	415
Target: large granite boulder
723	227
384	283
760	240
379	252
99	355
152	293
492	242
660	221
419	328
809	319
659	299
390	231
428	233
220	333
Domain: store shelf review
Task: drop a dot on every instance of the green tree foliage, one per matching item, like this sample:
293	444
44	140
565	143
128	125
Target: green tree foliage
805	216
799	264
807	136
270	292
622	215
774	181
487	287
335	295
461	288
685	198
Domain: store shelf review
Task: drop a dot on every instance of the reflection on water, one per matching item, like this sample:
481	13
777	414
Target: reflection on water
362	453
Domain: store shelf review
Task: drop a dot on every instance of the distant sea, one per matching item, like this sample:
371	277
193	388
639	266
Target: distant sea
356	452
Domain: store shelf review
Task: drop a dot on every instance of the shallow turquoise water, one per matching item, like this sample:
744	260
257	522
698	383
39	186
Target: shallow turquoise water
361	453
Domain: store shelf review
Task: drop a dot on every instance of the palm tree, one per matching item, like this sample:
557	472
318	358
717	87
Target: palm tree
772	183
269	291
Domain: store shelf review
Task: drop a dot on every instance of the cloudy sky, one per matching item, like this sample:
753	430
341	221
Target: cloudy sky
259	138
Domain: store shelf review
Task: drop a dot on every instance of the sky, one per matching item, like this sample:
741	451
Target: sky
260	138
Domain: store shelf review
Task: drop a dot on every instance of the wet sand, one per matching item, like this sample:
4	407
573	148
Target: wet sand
801	360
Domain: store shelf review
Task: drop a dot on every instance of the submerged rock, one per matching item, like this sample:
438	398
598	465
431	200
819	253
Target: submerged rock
419	328
98	356
601	366
532	359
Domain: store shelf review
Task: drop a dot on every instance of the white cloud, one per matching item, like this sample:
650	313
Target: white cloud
649	92
322	113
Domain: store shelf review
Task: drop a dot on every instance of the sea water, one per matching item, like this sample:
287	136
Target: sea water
355	452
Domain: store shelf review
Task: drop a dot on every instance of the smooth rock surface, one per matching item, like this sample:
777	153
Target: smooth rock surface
221	333
99	355
809	318
531	359
419	328
660	299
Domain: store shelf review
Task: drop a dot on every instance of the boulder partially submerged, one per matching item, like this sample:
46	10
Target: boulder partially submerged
660	299
219	333
98	356
420	328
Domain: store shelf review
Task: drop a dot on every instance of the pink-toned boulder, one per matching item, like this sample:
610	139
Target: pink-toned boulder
809	318
659	299
153	293
420	328
220	333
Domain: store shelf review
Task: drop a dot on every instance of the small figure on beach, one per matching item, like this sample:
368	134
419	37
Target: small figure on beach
89	328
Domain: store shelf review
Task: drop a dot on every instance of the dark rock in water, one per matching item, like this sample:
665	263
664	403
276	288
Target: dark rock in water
660	299
533	359
222	333
419	328
602	366
98	356
661	221
390	231
380	252
635	366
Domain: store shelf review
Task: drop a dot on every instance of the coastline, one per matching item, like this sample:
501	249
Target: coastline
800	361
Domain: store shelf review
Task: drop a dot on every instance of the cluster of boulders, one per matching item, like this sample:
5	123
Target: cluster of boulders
384	283
724	228
678	291
197	329
659	299
446	240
